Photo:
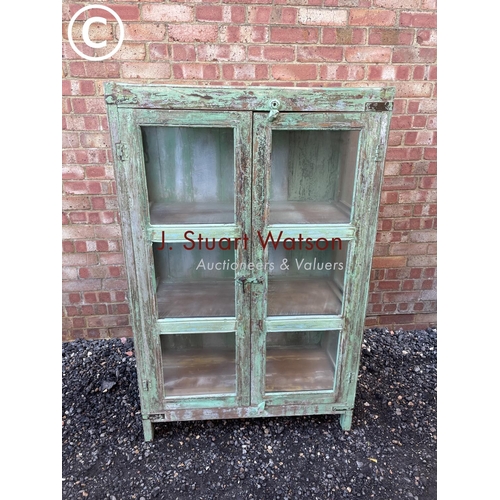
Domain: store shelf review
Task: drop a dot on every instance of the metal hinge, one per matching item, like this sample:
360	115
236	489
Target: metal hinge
379	152
121	151
145	385
379	106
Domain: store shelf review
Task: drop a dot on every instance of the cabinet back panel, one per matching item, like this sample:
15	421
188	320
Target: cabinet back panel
188	164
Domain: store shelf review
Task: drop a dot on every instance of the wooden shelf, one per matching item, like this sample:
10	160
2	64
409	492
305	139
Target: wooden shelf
290	369
280	212
302	296
196	298
191	213
305	212
190	372
216	298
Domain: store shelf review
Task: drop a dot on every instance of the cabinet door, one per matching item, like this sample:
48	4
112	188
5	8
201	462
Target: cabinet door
185	188
310	170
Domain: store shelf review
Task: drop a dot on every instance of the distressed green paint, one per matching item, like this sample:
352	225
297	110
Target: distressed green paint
345	117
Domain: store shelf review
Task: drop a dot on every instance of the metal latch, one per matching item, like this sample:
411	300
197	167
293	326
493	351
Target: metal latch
121	151
379	106
244	280
274	104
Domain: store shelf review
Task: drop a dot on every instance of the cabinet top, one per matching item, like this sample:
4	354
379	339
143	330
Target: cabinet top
154	96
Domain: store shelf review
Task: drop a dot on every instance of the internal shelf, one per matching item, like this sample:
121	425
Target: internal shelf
308	212
196	298
281	212
290	369
286	297
301	296
199	371
191	213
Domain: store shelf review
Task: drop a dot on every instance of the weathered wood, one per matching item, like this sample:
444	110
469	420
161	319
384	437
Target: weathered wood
210	161
244	98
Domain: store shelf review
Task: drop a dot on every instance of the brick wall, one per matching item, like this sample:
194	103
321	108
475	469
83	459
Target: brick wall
349	43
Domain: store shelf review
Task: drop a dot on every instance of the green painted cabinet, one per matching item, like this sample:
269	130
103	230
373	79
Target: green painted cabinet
248	218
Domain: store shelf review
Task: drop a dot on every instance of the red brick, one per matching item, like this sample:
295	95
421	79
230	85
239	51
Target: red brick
395	138
319	17
160	52
78	87
422	137
388	72
288	15
427	37
389	285
342	72
195	71
390	36
294	35
418	19
244	34
317	53
238	14
276	53
414	55
95	140
131	52
291	72
413	89
404	153
167	13
219	53
387	262
124	12
89	105
145	31
368	54
407	248
392	211
259	15
401	122
429	4
371	17
208	13
430	153
397	4
343	36
244	71
193	33
145	70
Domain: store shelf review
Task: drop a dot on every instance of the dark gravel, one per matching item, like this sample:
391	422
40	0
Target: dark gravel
390	453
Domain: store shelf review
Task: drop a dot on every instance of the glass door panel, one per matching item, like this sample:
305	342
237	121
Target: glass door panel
198	364
190	174
312	176
301	361
194	283
308	280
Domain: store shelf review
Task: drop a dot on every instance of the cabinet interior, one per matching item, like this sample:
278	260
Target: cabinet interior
312	176
190	174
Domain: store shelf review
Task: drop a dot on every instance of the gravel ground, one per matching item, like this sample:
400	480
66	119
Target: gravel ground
390	453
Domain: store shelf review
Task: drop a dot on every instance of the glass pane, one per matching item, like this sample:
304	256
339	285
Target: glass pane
301	361
190	174
194	283
197	364
312	176
307	280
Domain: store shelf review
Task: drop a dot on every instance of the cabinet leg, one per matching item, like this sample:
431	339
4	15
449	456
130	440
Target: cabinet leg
346	420
147	426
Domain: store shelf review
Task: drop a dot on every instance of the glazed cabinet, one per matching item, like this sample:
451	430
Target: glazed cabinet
248	221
